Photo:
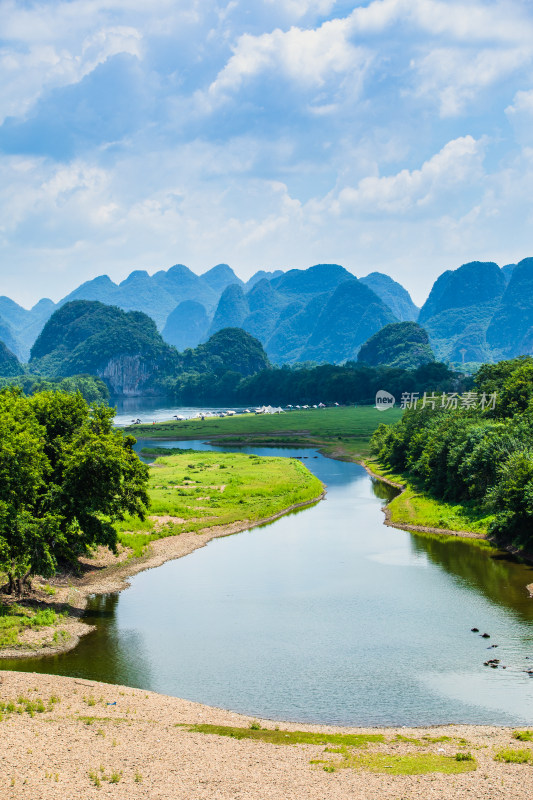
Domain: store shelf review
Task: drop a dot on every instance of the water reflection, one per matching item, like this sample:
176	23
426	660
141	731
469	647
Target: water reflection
324	615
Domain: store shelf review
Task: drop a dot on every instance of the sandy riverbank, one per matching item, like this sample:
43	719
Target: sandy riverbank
144	742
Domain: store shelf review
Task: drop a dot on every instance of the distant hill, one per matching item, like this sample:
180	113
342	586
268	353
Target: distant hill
474	313
186	325
123	348
350	316
402	344
156	295
459	310
510	332
228	350
9	363
323	313
19	327
393	295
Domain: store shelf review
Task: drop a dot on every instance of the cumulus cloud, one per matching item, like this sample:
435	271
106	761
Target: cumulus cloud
454	76
457	163
306	57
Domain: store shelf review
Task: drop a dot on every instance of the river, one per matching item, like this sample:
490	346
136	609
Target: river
325	615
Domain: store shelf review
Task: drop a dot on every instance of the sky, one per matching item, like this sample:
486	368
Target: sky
388	135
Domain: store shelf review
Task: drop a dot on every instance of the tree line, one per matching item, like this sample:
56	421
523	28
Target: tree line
300	384
480	456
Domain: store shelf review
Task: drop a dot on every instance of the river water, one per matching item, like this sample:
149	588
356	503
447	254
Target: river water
325	615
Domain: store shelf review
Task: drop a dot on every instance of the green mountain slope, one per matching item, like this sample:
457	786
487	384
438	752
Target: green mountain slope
351	315
510	332
186	325
401	344
459	309
393	295
9	363
123	348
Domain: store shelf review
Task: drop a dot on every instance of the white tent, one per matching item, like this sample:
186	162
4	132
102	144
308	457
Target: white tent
269	410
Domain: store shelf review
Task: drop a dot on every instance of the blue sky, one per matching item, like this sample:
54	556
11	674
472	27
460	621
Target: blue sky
390	135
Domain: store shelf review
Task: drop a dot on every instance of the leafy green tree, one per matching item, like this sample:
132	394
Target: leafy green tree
66	477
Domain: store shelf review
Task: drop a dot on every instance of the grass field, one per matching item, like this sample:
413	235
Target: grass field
343	432
191	491
349	428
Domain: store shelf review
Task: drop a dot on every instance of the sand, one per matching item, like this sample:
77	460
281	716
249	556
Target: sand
53	755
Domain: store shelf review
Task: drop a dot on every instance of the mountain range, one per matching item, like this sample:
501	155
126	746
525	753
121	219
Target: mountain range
478	312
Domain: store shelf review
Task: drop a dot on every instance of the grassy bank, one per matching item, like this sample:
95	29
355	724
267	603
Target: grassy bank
414	507
348	428
194	497
195	491
339	432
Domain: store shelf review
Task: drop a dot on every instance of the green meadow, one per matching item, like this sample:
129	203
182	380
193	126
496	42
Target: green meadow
192	491
348	428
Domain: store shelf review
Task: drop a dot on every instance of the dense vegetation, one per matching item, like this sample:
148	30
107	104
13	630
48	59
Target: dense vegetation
352	383
476	455
401	344
66	477
9	363
83	336
92	389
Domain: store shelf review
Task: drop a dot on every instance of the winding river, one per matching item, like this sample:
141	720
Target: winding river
325	615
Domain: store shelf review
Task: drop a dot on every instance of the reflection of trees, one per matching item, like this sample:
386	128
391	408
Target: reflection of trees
106	654
498	576
384	490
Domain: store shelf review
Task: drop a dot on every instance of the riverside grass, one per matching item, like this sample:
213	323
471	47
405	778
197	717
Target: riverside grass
325	427
341	432
194	491
415	507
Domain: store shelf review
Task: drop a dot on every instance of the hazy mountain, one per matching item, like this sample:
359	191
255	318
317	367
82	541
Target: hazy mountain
352	313
508	271
232	309
186	325
156	295
510	332
402	344
221	276
282	309
9	363
459	309
315	280
258	276
19	326
393	294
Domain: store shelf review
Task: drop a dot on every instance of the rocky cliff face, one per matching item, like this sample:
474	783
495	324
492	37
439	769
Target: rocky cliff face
127	375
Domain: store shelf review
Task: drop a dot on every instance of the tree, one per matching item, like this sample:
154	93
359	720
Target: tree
74	476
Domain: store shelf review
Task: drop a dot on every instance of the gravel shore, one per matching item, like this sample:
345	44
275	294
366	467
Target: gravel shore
137	744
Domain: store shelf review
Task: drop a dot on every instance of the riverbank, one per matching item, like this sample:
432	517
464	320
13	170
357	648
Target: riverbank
96	740
196	497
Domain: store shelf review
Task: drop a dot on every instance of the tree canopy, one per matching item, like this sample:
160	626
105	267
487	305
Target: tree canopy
480	453
66	476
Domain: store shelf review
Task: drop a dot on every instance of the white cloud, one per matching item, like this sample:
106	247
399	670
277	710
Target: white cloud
24	75
522	103
454	76
296	9
457	163
305	57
